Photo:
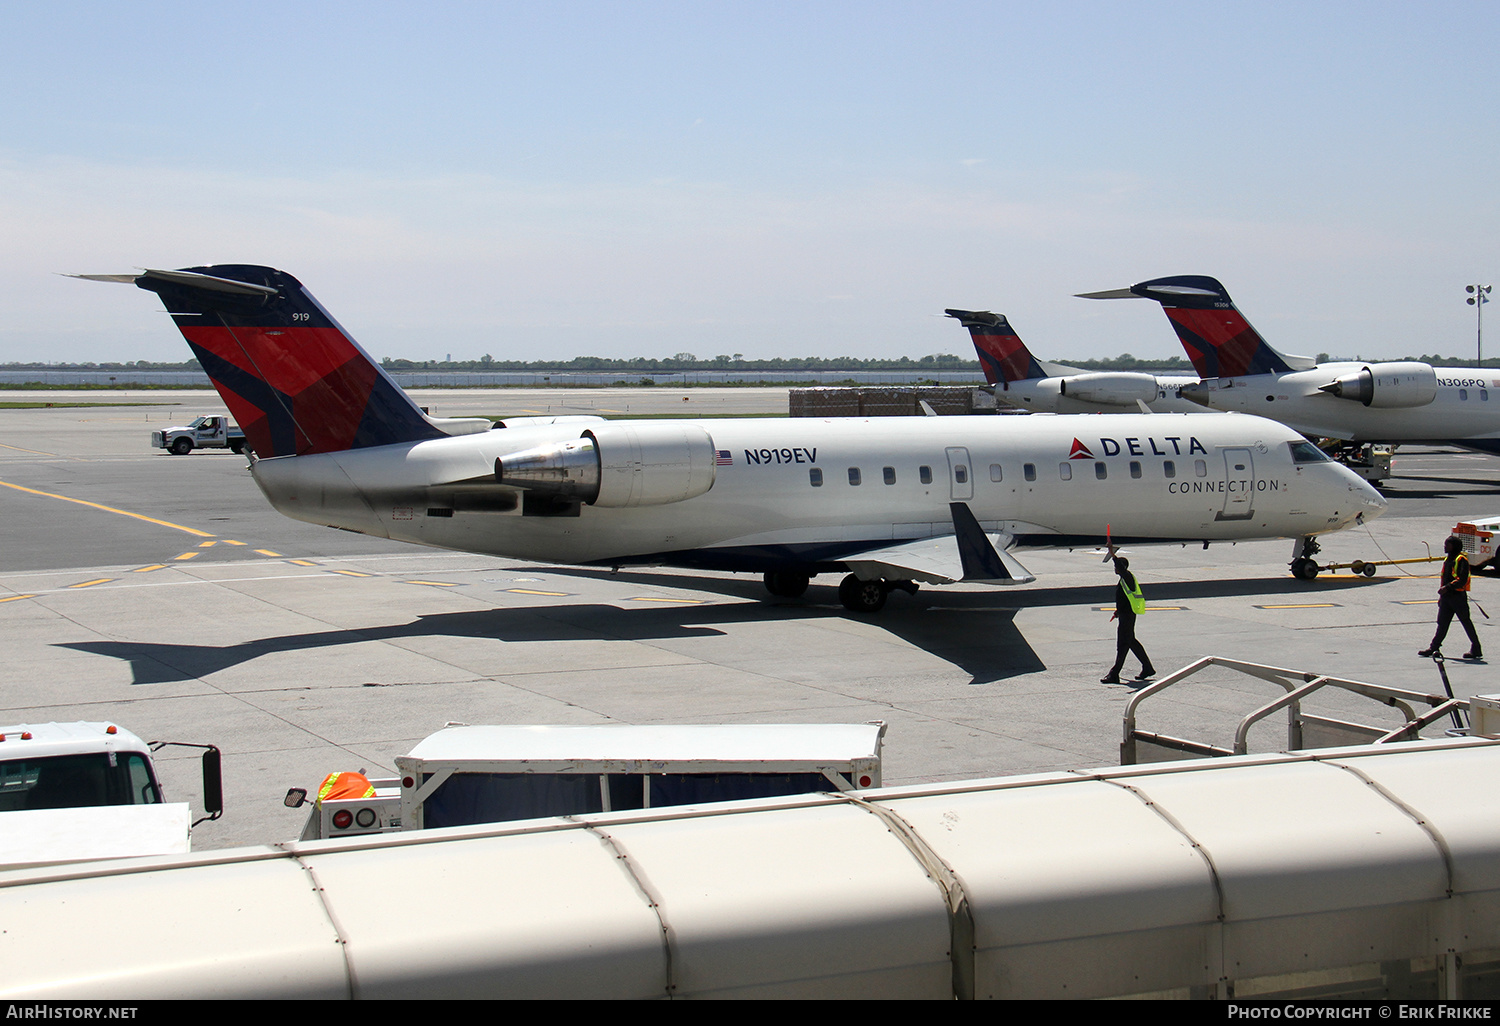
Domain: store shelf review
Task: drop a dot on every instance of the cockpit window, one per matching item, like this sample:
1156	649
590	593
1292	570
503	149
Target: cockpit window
1306	452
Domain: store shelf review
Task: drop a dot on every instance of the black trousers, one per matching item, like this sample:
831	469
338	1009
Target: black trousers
1125	643
1451	604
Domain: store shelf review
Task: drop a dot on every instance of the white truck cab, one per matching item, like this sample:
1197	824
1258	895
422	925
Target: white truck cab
72	792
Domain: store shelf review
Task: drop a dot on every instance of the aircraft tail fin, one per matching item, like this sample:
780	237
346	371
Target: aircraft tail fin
293	379
1218	339
1002	354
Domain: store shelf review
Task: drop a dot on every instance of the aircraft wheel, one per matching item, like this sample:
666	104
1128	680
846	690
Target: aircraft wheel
786	584
861	596
1306	569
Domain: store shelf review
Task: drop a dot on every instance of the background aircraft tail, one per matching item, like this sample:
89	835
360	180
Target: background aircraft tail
291	376
1218	339
1002	354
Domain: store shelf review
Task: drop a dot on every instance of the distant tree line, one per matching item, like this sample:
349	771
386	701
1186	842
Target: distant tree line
735	362
685	362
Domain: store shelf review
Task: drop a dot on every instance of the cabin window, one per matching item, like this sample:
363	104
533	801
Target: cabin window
1029	470
854	475
1135	468
960	474
995	473
1168	468
1101	471
924	474
1463	395
1200	469
1484	395
890	474
815	477
1065	471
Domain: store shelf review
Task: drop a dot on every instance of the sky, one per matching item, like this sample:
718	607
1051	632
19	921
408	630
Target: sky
560	178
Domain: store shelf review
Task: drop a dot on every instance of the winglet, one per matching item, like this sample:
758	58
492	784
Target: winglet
981	560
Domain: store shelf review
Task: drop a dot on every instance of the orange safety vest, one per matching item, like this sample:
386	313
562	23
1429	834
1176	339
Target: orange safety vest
346	785
1461	581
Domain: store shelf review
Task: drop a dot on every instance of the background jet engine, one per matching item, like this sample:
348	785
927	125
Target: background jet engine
1120	388
617	464
1387	385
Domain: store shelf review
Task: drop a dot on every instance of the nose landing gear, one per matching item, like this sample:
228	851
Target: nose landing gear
1303	564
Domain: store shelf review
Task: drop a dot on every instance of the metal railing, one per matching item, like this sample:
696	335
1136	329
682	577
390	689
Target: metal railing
1303	730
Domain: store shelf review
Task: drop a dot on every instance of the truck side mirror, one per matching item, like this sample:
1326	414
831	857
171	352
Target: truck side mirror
295	798
213	783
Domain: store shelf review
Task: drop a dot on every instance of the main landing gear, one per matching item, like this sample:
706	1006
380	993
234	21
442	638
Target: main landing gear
856	595
1303	564
869	596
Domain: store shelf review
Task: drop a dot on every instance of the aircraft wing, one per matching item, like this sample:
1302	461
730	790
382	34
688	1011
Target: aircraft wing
966	555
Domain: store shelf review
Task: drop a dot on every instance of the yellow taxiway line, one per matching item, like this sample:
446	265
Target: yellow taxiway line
109	509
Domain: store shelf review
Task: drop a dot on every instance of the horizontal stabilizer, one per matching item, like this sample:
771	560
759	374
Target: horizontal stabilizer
1108	294
190	279
967	555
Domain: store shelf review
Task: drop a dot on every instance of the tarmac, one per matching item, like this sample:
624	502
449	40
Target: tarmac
164	594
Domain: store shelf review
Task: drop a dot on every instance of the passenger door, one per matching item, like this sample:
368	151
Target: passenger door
1239	485
960	474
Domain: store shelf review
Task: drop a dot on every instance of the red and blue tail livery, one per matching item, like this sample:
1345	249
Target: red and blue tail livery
1002	354
1219	341
291	376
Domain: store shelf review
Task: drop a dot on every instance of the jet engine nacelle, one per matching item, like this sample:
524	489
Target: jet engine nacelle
1387	385
617	465
1118	388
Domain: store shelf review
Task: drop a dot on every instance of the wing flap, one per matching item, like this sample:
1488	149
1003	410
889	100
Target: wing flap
966	555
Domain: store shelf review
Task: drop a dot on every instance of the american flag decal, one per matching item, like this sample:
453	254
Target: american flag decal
722	458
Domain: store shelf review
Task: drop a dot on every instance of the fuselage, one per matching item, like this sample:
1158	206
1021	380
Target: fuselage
1465	410
809	492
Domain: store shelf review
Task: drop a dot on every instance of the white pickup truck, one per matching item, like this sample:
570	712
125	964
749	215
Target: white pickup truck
203	433
74	792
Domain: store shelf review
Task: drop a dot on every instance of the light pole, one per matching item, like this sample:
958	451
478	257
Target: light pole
1478	296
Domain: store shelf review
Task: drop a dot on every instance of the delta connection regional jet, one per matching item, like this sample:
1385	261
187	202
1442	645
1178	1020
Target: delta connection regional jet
890	502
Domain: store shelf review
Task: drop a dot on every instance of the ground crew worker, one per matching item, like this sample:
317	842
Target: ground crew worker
345	785
1453	600
1129	602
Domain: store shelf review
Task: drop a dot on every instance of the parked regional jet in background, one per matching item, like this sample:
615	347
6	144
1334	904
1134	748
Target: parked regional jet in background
1022	380
1394	402
890	501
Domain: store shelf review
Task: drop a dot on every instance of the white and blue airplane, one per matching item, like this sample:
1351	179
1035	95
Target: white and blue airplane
1019	379
1395	402
890	502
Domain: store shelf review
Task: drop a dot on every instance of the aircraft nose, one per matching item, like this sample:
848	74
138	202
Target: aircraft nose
1367	504
1374	503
